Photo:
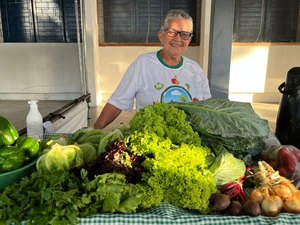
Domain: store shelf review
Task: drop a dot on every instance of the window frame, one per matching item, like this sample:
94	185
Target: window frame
39	21
100	19
266	23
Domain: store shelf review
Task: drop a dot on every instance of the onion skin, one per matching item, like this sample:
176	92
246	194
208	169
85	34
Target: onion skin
257	195
292	205
278	201
269	207
282	191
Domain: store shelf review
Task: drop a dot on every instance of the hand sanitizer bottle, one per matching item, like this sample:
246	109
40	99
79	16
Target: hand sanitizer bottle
34	121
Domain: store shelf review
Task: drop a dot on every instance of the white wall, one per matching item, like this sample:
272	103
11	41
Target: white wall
41	71
257	71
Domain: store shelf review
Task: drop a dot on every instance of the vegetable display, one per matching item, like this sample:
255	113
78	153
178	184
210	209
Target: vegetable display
193	156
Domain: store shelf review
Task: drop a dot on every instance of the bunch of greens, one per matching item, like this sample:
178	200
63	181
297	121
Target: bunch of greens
62	198
175	174
230	124
175	168
165	122
116	158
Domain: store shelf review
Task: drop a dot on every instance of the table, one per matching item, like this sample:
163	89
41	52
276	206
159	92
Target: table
167	214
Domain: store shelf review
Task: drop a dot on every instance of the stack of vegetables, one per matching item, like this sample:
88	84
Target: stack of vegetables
192	156
15	151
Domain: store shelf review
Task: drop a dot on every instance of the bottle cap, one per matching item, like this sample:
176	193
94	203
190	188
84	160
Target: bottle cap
33	101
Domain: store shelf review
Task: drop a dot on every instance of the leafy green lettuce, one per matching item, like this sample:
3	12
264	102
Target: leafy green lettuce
62	198
175	174
165	122
60	158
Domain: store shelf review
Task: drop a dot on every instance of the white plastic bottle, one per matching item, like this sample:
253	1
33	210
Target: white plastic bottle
34	121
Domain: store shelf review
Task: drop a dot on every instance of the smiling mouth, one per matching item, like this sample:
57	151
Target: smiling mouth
175	45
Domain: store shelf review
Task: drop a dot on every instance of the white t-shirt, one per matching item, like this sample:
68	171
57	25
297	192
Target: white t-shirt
148	80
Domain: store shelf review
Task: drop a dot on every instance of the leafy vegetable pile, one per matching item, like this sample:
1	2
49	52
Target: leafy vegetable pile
165	122
174	174
233	125
158	159
62	197
116	158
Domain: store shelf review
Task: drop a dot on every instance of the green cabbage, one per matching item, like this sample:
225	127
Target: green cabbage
226	168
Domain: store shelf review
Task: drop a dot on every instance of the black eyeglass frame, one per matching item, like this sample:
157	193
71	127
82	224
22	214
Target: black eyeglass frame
176	32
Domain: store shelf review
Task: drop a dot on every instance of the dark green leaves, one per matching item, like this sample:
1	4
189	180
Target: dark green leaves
60	199
225	118
233	125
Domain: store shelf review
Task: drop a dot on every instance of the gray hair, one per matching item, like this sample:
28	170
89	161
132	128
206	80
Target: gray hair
175	14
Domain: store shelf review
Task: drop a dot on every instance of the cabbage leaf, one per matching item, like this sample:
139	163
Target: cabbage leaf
226	168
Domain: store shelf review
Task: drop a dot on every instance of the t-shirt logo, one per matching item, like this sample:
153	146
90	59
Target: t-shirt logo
175	94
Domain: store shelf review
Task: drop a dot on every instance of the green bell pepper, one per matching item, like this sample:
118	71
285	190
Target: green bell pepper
11	158
29	146
8	133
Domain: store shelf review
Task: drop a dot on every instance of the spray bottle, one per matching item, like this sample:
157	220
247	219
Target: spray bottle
34	121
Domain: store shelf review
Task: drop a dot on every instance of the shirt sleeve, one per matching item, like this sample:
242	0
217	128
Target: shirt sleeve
124	95
204	85
203	88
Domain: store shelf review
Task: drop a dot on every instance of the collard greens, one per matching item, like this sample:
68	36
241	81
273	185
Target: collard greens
234	125
225	118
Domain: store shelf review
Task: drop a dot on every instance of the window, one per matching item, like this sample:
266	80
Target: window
38	21
138	21
267	21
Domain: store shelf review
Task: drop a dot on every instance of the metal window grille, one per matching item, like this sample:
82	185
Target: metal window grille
38	20
132	21
267	21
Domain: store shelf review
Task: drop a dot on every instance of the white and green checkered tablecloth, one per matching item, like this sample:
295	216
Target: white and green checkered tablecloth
170	215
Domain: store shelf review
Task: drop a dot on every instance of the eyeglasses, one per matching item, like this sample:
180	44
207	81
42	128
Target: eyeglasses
183	34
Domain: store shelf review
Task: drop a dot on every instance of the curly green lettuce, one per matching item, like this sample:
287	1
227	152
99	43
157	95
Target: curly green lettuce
166	122
175	174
